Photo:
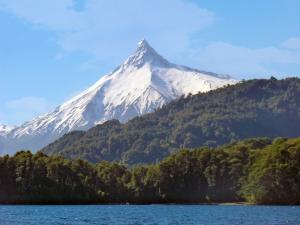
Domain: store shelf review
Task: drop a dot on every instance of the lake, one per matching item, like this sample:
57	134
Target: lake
150	215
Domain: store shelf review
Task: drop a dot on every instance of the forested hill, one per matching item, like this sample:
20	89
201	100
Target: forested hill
257	171
254	108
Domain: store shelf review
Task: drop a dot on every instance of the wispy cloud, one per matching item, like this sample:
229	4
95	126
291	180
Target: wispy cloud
108	31
246	62
109	28
23	109
292	43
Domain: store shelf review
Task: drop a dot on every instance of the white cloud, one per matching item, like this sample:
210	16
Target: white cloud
110	29
34	104
19	110
242	61
52	14
292	43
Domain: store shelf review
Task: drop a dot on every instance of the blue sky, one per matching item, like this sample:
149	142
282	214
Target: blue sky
52	49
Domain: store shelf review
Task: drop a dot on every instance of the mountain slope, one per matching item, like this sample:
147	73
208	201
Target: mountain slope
144	82
255	108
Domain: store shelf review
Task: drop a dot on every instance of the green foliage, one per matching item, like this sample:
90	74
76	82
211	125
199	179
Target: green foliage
254	170
182	179
255	108
274	177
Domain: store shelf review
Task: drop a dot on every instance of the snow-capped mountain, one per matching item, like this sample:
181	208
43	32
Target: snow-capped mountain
144	82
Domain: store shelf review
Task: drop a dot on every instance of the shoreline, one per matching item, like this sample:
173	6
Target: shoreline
148	204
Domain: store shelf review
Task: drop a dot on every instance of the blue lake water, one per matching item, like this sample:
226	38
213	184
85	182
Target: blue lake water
150	215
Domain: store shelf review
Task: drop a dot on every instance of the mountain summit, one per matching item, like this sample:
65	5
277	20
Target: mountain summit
143	83
145	54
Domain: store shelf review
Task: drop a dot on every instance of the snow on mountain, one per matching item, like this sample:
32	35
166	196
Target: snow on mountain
144	82
5	129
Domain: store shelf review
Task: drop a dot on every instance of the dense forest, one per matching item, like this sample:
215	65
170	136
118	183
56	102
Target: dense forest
261	171
254	108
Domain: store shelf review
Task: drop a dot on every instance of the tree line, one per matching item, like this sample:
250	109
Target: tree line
260	171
